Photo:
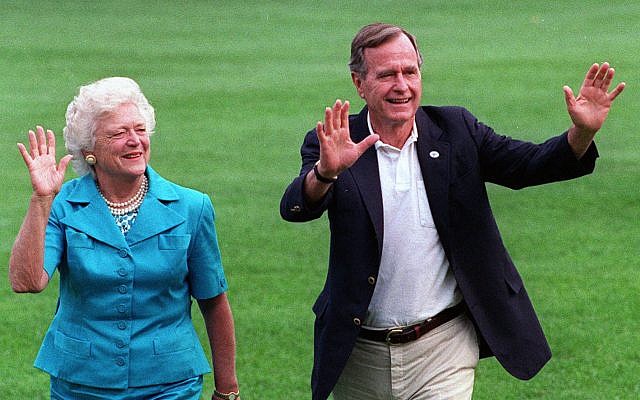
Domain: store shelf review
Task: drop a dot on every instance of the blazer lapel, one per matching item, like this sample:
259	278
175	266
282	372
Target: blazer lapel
92	219
367	177
434	157
155	216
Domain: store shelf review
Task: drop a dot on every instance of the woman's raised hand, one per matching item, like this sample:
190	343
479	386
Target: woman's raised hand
46	175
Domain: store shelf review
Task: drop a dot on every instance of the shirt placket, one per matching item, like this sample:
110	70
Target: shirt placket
122	310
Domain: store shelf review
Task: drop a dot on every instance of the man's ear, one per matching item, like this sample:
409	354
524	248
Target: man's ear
357	82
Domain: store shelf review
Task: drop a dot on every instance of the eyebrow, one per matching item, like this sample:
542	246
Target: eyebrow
125	126
392	71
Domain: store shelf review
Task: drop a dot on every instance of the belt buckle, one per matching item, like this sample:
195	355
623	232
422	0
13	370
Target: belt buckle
392	332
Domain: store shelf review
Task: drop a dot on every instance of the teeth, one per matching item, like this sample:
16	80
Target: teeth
398	101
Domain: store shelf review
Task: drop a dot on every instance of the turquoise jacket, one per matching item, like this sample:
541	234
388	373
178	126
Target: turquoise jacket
124	312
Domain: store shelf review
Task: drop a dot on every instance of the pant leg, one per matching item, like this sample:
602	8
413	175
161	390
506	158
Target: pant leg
188	389
439	365
442	366
367	375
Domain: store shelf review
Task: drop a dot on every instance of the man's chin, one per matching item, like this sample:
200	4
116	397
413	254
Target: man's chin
400	117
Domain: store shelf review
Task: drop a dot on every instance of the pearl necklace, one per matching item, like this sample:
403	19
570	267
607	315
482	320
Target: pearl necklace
130	205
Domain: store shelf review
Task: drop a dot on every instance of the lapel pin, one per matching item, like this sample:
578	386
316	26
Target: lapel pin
434	154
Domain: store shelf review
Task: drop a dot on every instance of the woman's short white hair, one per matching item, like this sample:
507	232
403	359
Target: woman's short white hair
93	102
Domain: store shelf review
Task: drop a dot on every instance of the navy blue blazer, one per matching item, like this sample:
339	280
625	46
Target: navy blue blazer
470	154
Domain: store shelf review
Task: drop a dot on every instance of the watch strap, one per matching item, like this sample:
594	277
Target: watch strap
226	396
321	178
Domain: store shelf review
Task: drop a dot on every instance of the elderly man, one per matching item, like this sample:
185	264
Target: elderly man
420	284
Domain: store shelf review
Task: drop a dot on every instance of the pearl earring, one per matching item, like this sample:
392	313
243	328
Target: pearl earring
90	159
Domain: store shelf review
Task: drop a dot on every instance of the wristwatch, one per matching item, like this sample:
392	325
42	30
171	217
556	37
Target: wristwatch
321	178
227	396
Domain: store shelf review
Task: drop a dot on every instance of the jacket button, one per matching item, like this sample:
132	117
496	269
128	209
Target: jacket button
296	209
122	325
120	344
357	321
122	289
122	272
122	253
122	308
371	280
120	361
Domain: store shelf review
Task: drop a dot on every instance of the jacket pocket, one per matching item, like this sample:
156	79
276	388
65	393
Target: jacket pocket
77	347
181	341
173	242
511	276
79	240
320	305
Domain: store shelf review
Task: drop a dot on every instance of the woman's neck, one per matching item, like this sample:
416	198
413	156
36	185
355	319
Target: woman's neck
121	189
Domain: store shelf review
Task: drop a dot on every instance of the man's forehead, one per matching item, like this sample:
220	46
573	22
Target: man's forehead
396	44
391	57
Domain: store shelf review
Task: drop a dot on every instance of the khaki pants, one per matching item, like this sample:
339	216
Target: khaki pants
439	365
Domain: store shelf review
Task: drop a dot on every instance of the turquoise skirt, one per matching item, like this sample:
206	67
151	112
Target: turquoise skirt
189	389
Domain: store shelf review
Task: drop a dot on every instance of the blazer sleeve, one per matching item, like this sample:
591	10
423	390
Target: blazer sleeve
517	164
293	207
206	274
54	244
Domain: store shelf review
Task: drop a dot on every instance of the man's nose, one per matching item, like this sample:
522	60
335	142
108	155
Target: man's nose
401	82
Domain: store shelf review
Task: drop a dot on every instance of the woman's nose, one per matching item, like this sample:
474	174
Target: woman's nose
132	137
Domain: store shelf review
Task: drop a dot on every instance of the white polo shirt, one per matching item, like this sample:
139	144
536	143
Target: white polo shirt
414	281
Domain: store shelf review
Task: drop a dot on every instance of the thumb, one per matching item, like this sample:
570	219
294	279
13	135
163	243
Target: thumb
64	161
568	96
367	142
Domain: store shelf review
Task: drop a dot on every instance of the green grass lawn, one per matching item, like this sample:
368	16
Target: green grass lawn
237	84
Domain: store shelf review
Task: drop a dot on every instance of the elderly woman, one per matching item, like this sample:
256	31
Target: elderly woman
132	249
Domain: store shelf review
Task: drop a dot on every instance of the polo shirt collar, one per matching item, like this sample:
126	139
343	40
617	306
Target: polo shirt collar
413	137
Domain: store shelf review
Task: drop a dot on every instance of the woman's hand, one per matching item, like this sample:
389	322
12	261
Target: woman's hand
46	175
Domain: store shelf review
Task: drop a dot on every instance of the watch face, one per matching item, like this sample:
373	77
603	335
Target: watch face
232	396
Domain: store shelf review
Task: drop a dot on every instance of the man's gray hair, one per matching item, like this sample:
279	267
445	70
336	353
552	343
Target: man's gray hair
374	35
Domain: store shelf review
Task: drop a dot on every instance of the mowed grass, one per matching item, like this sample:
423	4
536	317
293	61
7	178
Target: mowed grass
237	84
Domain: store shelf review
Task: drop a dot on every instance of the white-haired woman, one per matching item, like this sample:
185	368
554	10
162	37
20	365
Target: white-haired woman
132	249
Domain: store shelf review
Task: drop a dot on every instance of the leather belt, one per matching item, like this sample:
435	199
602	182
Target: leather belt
413	332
